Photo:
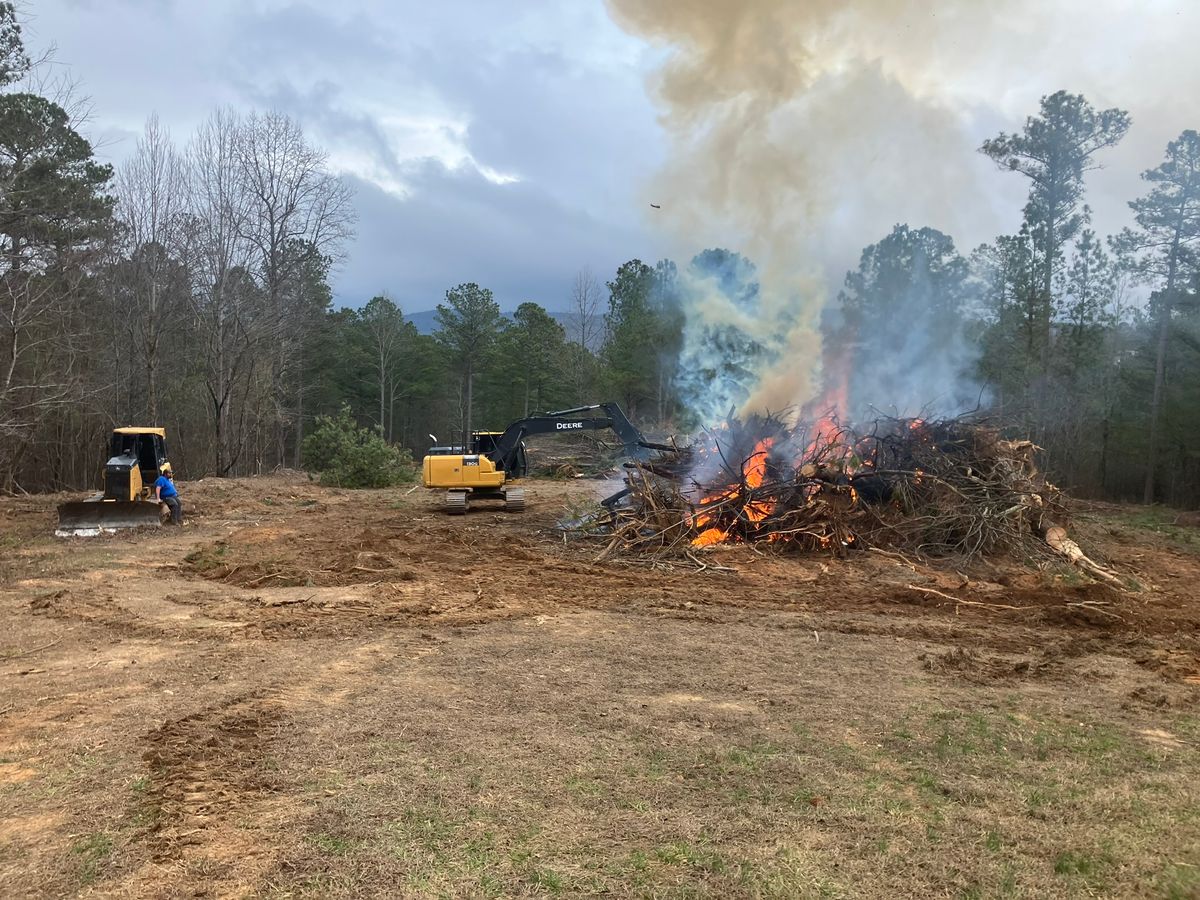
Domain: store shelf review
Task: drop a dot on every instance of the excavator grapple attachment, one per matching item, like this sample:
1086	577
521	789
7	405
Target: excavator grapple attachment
91	517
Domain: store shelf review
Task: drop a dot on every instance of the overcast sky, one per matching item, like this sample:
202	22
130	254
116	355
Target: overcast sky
503	143
514	143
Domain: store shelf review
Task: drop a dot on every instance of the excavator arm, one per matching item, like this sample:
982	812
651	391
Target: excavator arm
564	421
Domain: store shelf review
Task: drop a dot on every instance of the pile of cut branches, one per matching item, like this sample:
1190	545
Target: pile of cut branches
946	488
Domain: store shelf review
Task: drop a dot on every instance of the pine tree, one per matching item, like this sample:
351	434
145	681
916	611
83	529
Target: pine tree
1164	246
469	324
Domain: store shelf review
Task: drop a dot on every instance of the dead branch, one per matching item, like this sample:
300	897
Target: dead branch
32	651
957	601
905	488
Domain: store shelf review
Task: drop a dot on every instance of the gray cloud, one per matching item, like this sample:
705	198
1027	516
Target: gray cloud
418	102
418	110
455	226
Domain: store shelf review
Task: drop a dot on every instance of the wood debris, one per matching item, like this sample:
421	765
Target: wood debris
952	488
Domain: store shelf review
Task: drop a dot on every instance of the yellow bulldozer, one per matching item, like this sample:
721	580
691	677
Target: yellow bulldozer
136	457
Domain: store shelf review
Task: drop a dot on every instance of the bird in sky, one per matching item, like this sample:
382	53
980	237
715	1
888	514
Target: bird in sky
655	206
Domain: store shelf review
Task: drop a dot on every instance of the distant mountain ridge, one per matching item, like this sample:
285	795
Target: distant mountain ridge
426	322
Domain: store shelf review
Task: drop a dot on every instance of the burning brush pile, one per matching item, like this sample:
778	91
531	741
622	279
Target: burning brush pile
950	488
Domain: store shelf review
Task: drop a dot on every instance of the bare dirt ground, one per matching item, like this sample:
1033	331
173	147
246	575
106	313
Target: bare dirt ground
313	692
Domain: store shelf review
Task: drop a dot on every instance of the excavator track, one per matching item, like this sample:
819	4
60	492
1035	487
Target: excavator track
457	502
514	499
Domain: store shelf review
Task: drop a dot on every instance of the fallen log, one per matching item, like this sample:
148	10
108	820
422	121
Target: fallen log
1058	541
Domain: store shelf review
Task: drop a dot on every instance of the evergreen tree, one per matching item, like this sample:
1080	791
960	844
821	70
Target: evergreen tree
632	331
469	324
14	61
901	333
1054	151
55	215
1085	307
1164	248
539	351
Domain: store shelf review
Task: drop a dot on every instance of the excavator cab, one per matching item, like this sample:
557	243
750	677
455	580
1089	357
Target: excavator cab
136	456
485	443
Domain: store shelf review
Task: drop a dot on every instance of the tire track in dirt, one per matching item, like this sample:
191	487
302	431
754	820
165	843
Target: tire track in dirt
206	766
221	782
91	607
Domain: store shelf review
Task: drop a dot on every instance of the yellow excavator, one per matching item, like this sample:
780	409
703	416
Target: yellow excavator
495	459
136	457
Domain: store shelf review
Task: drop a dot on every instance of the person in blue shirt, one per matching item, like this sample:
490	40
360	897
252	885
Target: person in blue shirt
164	492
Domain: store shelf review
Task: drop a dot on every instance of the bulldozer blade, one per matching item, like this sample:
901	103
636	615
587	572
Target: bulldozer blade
86	518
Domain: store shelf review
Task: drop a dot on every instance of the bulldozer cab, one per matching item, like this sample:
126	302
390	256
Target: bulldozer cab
147	445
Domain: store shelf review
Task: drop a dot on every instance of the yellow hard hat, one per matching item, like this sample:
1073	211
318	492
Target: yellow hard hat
165	468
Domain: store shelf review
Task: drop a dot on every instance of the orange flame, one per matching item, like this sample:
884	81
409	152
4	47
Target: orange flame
755	468
754	473
708	537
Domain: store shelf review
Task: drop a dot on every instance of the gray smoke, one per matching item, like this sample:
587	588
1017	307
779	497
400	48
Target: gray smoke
802	130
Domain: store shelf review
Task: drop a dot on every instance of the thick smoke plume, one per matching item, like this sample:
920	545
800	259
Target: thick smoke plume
765	108
801	130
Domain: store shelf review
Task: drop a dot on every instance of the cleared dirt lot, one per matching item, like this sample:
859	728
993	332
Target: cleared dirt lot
311	692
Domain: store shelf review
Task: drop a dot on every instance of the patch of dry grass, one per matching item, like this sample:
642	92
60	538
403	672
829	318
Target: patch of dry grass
973	794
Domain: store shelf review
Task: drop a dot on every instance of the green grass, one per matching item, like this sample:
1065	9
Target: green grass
333	844
1087	867
1179	881
998	800
91	853
681	853
546	878
586	787
1158	520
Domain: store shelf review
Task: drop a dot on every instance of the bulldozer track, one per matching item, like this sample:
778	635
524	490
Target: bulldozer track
206	764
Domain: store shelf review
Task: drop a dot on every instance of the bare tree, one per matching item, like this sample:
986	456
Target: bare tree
586	327
223	294
586	303
152	198
384	320
293	199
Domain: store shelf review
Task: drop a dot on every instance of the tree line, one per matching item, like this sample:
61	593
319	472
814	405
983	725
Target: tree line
1089	345
190	288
